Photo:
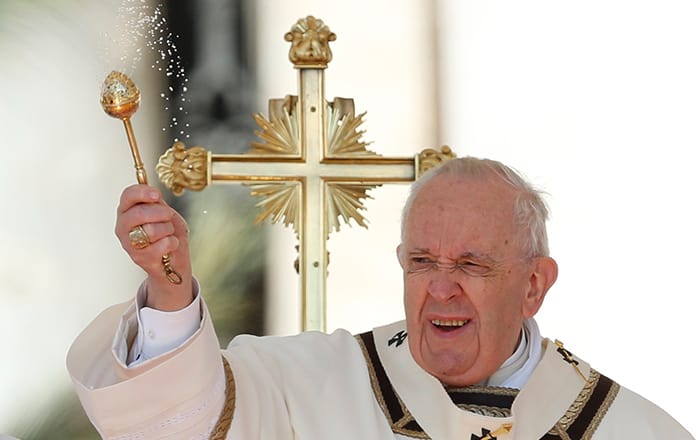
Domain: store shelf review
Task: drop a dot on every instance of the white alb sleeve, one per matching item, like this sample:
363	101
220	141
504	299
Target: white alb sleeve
160	332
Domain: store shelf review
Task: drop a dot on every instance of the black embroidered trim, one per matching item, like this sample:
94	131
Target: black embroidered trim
592	408
580	422
400	419
587	411
489	401
491	397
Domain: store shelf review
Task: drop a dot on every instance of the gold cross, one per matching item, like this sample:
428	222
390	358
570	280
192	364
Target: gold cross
566	354
493	435
310	168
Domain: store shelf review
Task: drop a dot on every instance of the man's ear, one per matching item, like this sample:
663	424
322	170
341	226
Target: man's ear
543	274
398	254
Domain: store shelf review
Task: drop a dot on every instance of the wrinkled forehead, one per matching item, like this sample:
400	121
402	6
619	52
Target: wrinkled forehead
457	212
485	194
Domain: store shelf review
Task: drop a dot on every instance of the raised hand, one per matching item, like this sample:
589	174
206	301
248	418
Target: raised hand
147	229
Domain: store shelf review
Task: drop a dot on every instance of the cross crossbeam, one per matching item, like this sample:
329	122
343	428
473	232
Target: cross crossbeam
310	168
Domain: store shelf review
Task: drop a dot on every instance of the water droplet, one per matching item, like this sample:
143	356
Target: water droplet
143	31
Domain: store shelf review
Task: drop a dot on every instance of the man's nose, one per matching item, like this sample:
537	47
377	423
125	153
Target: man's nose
443	286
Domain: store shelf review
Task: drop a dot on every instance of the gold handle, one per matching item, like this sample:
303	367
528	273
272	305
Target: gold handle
120	99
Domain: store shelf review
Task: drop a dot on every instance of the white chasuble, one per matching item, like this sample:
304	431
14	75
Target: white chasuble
563	399
315	386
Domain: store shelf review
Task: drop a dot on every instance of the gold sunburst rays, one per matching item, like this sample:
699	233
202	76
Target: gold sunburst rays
344	138
280	135
345	200
280	202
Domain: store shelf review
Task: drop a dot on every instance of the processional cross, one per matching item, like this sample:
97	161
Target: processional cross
310	168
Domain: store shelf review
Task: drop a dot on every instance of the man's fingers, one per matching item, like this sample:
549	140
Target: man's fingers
143	213
150	257
158	231
149	230
135	194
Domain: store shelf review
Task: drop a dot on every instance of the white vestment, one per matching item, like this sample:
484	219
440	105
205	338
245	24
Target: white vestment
320	387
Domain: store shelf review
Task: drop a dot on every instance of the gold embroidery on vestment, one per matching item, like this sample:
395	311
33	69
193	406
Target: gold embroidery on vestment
398	427
373	379
574	411
609	398
495	391
557	430
226	417
484	410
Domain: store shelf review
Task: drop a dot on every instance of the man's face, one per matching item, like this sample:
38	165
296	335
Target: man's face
464	323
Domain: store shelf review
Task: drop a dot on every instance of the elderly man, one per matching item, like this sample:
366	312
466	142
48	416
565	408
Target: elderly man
467	363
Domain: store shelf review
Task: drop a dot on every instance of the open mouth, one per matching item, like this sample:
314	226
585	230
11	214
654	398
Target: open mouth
448	325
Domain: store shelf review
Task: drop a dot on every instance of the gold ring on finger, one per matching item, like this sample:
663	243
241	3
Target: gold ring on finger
138	237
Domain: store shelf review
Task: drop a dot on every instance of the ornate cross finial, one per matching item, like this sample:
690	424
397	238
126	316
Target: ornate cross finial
310	38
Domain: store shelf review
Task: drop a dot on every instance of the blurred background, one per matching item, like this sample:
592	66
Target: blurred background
597	103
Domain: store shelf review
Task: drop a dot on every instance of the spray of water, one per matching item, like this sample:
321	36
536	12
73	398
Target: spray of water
142	31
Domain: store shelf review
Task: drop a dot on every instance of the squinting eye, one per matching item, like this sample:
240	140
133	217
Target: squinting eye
420	263
473	268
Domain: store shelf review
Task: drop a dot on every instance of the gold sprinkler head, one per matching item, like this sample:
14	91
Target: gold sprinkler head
120	97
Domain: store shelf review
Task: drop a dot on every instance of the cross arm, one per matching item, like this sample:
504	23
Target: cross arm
195	168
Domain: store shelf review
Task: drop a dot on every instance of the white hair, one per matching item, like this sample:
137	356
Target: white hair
530	211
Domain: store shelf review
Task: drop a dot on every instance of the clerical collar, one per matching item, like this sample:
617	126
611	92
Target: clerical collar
516	370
